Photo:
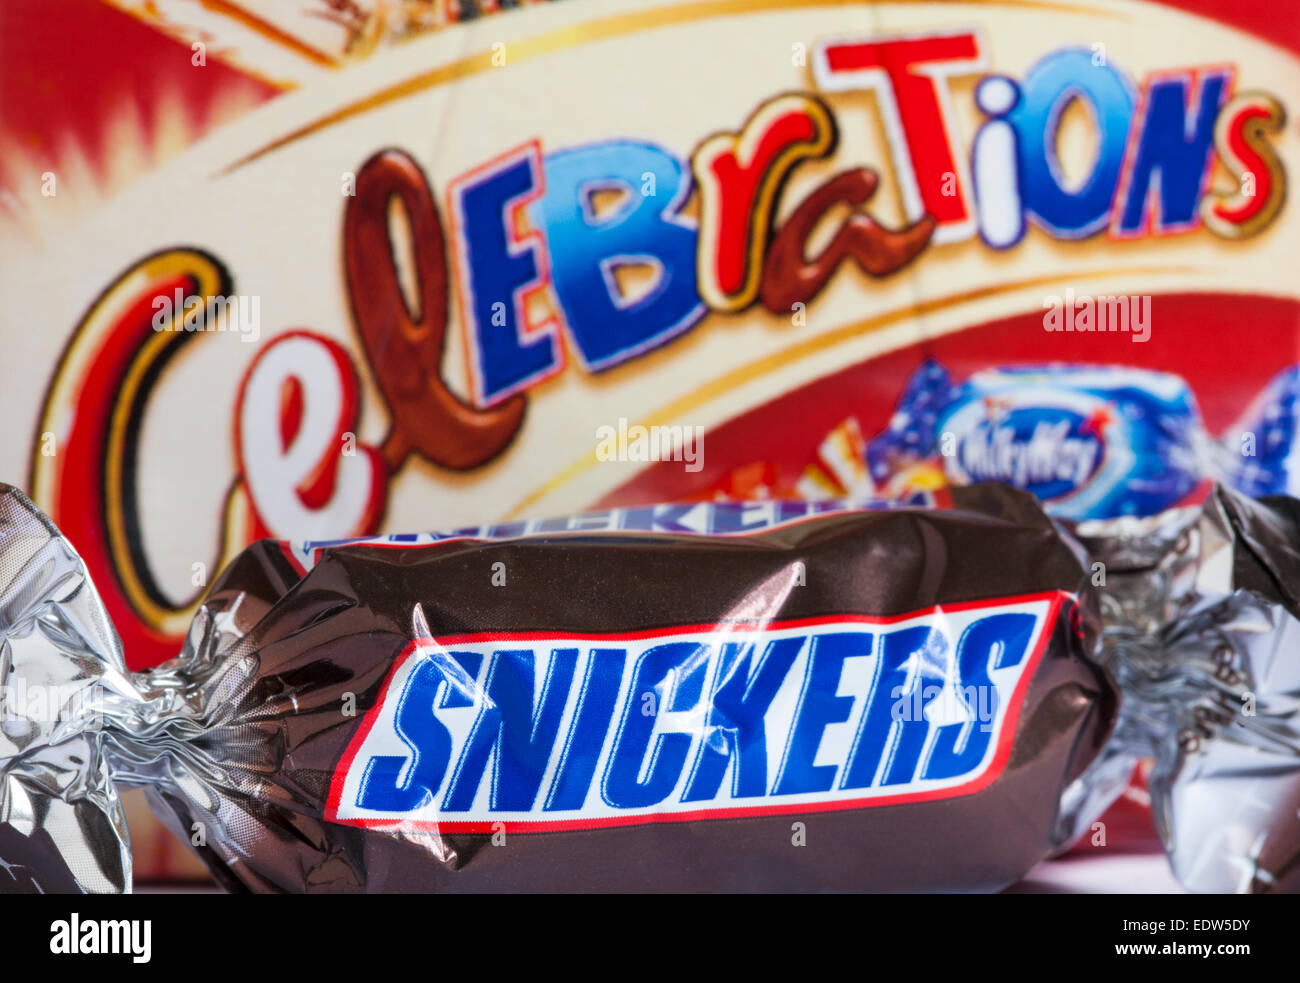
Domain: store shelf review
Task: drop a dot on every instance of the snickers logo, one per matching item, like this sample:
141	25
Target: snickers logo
544	730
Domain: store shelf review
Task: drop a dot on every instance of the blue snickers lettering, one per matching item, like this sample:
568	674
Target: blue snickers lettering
522	736
735	727
819	706
417	725
624	788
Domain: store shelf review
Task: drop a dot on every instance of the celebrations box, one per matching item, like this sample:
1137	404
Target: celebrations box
324	270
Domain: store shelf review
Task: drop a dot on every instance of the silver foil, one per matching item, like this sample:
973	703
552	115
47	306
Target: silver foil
1199	609
1199	612
60	662
76	727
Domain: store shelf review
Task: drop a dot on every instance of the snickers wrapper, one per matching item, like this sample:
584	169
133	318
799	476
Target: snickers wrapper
708	697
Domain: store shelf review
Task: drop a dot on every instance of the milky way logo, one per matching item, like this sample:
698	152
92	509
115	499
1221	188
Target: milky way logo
1050	451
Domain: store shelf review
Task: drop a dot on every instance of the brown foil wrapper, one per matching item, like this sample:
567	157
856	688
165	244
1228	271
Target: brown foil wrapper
245	740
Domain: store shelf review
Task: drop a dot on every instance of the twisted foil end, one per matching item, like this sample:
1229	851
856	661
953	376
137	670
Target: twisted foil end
1201	631
62	828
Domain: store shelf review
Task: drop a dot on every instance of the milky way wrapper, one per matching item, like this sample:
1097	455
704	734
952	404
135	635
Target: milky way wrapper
760	696
1199	608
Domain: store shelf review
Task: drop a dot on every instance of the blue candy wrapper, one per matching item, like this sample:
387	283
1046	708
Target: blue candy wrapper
1260	454
1092	442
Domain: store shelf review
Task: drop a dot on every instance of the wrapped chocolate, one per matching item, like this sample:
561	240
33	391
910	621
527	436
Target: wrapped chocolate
1200	608
1091	441
760	696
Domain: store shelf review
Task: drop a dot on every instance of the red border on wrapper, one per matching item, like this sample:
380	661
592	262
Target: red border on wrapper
994	769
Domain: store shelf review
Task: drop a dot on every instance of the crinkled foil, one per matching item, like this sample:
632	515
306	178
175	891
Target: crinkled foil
61	824
1199	611
76	727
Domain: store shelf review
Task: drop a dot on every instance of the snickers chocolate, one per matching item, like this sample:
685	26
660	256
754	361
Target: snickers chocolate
714	697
